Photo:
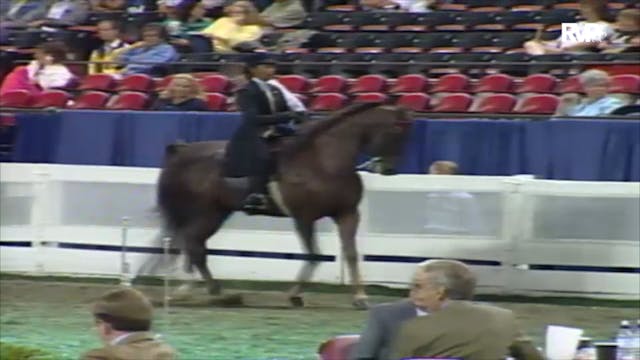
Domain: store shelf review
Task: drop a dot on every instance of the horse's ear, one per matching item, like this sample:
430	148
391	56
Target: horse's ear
173	149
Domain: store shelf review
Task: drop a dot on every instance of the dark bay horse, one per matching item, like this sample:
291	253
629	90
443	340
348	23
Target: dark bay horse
316	177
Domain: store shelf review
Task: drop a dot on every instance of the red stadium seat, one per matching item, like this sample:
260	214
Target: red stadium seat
454	103
625	83
295	83
328	102
16	98
102	82
217	102
371	97
571	84
451	83
494	83
414	101
409	84
496	103
329	83
52	98
538	104
215	83
162	83
537	83
368	83
136	82
129	100
338	348
90	100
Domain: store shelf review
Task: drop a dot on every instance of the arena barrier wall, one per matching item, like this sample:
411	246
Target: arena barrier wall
563	149
522	235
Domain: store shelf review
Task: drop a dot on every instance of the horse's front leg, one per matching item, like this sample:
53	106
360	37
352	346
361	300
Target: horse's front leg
306	231
348	227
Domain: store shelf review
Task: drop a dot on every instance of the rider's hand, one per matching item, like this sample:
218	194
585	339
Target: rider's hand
299	117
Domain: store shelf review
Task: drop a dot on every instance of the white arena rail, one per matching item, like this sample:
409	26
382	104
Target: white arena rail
522	236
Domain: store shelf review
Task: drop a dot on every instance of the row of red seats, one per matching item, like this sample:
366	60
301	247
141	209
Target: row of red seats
456	102
126	100
537	83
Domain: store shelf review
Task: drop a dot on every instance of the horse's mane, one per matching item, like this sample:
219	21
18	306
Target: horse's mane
316	128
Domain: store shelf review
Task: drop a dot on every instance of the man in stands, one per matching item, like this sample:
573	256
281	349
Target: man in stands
268	113
123	319
455	327
109	31
597	102
147	55
414	6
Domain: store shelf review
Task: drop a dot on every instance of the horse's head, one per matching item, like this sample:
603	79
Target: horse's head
385	131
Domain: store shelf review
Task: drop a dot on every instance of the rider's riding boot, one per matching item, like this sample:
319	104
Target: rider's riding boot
257	200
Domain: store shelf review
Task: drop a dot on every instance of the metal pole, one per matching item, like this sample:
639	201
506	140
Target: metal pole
166	242
125	278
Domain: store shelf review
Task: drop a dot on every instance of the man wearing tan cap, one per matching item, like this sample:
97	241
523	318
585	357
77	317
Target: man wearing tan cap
123	319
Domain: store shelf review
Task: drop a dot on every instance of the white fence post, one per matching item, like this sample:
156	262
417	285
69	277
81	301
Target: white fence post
39	215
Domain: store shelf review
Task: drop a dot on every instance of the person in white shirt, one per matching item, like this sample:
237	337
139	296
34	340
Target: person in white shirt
414	6
46	71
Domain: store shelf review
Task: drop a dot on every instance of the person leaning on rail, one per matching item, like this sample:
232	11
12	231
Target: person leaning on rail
123	320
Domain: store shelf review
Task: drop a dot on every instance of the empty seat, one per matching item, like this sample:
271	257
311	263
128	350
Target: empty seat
368	83
414	101
625	83
216	83
135	82
538	104
329	83
571	84
16	98
374	97
102	82
452	83
129	100
90	100
410	83
537	83
454	103
51	98
295	83
328	102
217	102
494	83
496	103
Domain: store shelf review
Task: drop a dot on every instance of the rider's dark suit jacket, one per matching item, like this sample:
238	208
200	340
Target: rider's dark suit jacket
247	152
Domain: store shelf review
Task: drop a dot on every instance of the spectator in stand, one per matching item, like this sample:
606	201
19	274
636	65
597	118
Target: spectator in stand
415	6
594	12
108	5
109	31
283	14
123	319
626	34
23	11
236	28
64	13
182	94
145	56
455	327
597	102
46	71
193	17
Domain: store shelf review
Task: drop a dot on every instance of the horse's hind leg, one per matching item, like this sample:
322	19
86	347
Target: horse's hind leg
347	227
195	237
306	232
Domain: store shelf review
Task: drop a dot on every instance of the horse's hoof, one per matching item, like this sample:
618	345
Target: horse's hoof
214	290
296	301
361	304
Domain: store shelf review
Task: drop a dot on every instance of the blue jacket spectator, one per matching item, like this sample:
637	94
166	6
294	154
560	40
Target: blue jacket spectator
597	102
150	53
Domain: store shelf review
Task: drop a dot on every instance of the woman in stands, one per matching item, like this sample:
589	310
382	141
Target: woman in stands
594	12
46	71
183	94
236	28
109	31
626	36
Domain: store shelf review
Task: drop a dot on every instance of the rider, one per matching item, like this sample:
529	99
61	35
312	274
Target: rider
269	111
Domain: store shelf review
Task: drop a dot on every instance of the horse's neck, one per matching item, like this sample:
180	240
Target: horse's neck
338	149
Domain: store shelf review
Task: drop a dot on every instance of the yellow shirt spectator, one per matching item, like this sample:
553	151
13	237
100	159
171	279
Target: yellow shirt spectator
106	53
238	26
